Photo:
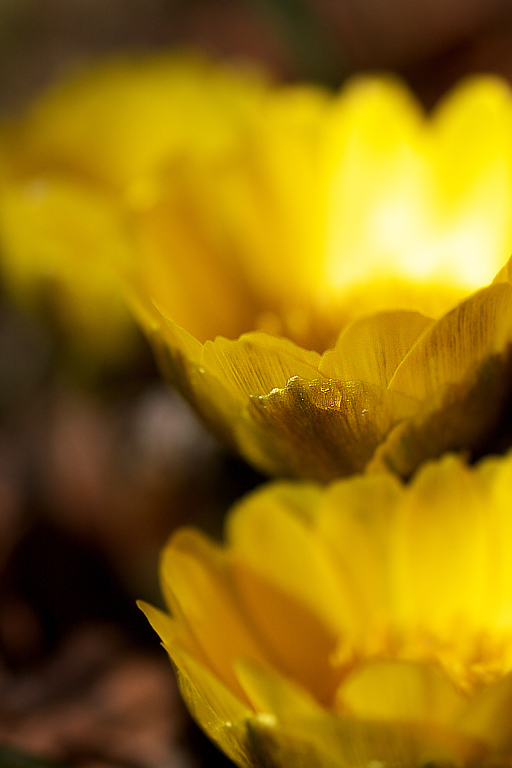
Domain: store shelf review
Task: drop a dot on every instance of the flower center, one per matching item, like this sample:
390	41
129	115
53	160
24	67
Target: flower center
471	659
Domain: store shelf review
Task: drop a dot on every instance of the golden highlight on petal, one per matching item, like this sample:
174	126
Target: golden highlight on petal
420	202
365	622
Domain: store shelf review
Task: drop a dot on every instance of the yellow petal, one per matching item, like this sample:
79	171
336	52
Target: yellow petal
220	378
471	131
275	617
252	365
172	630
400	691
293	729
376	133
272	692
212	705
371	348
436	209
267	531
496	475
122	120
165	627
265	197
355	744
355	524
63	245
275	745
180	358
319	429
470	416
447	504
258	363
249	393
221	715
283	581
505	273
207	292
474	330
195	573
487	717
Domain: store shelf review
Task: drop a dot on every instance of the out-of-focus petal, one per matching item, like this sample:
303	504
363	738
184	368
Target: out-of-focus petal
195	570
400	691
42	223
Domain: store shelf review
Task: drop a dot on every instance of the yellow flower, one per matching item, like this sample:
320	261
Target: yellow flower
365	623
69	165
237	208
329	210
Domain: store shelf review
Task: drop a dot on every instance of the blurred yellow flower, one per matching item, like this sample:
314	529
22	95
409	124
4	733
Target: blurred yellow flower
365	623
329	210
69	165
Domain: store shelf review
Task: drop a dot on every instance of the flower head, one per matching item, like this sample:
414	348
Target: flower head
363	623
343	237
321	208
303	261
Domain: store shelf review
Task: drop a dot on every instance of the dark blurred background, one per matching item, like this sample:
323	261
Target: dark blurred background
430	42
96	472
